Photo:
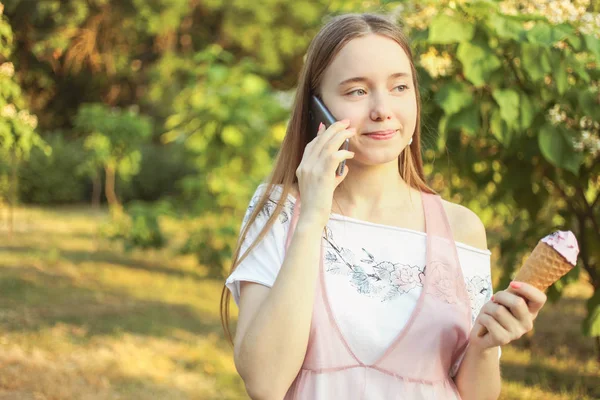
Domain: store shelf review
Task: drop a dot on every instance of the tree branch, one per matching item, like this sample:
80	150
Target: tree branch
515	72
589	209
569	200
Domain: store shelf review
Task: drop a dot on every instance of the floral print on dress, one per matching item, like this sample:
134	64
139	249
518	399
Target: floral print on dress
442	282
387	280
373	278
480	290
269	207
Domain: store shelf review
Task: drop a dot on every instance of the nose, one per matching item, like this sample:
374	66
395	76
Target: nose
380	109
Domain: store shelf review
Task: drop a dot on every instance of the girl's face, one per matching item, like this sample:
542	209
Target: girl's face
370	83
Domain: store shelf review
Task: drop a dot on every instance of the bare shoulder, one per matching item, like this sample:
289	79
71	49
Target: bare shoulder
466	226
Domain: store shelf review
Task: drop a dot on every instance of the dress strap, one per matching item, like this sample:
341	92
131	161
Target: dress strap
444	277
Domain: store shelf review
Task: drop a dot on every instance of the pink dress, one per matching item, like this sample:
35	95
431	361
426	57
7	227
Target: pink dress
417	363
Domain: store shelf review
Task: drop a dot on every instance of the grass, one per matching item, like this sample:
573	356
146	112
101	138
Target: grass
81	319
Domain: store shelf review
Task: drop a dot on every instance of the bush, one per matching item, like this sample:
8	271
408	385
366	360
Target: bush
162	167
52	179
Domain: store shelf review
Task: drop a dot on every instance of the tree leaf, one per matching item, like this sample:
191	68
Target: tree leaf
576	41
453	97
527	112
232	136
466	120
593	45
577	67
540	34
445	29
591	324
505	27
535	61
589	103
478	62
559	71
500	129
556	148
508	100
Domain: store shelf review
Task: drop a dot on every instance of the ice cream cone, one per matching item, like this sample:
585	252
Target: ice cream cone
543	267
551	259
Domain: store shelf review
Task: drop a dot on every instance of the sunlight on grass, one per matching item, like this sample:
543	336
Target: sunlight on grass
81	319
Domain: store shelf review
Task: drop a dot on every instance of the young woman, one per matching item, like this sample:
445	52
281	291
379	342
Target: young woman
365	285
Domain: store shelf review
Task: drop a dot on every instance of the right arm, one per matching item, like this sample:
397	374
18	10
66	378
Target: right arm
274	323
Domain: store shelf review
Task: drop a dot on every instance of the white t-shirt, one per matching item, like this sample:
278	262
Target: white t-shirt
373	272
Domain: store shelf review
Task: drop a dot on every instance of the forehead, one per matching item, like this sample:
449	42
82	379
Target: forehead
370	56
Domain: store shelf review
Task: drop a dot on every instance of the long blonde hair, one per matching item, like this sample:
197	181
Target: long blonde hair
321	51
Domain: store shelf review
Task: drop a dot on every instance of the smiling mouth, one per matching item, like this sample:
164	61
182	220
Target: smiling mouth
382	133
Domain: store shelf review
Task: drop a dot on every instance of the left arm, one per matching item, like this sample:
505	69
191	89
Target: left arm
507	317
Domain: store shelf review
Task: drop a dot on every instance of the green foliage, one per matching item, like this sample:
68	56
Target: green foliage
139	226
517	103
232	121
53	179
213	242
161	169
591	324
114	138
511	106
17	126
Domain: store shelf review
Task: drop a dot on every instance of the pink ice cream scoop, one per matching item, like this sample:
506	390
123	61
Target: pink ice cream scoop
565	243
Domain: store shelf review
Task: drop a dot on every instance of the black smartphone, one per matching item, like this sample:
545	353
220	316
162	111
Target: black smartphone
319	113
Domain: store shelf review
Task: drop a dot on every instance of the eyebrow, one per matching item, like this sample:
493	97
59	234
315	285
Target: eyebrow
358	79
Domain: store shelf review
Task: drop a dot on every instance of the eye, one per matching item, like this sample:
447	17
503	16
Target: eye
356	91
404	87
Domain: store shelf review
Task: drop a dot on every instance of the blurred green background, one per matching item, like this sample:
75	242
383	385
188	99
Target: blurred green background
133	134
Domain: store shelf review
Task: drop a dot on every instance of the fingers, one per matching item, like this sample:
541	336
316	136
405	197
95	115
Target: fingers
331	139
322	128
516	304
496	332
535	298
336	158
337	141
324	132
514	326
340	178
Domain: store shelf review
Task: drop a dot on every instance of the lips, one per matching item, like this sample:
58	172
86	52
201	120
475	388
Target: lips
381	133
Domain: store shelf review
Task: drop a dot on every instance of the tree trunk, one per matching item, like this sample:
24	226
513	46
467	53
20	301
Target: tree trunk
109	188
96	191
116	210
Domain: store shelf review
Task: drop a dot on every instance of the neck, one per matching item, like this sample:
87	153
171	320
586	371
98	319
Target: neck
369	188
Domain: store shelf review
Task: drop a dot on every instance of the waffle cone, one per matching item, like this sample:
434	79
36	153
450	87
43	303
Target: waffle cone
543	267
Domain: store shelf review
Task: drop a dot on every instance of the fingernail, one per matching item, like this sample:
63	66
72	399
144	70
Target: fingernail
346	121
320	125
493	299
515	285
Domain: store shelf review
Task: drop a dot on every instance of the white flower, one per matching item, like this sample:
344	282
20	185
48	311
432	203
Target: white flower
435	64
7	69
27	118
9	111
556	115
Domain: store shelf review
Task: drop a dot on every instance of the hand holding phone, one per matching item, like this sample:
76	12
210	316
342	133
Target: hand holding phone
320	114
317	180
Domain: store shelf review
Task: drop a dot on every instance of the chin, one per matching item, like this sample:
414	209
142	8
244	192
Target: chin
379	159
